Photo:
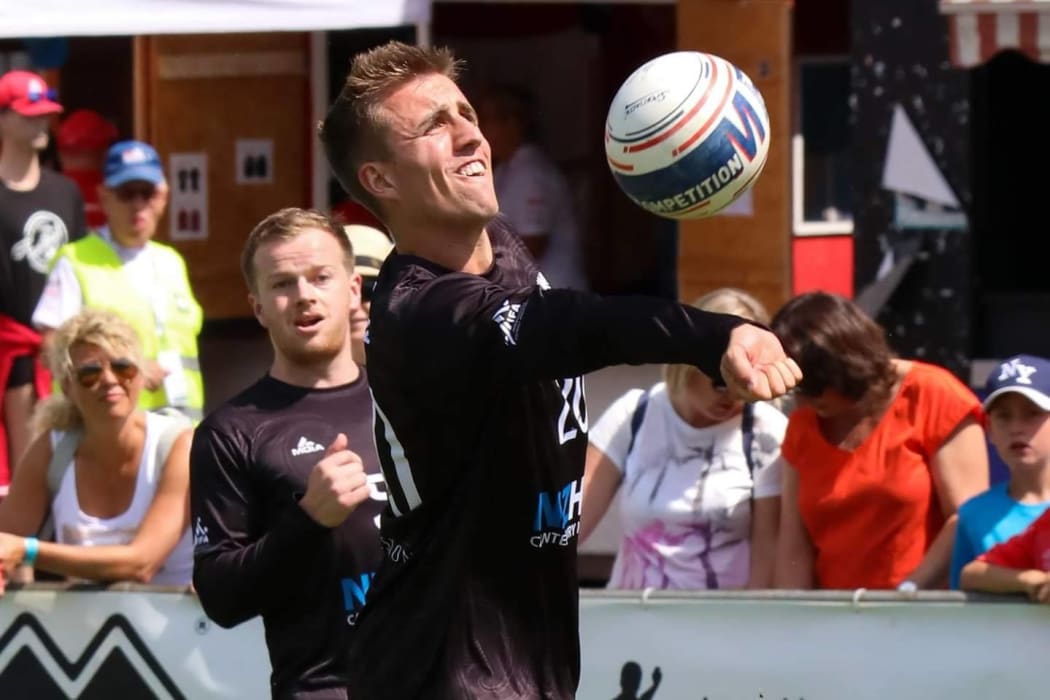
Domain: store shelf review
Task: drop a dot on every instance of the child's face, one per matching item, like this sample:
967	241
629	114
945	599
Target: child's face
1020	431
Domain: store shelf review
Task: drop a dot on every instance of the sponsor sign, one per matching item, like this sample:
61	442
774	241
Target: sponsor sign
128	642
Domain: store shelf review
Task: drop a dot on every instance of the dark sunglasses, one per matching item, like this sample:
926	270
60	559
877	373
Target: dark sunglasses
89	374
143	192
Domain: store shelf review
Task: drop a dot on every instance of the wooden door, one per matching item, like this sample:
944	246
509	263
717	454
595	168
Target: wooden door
219	95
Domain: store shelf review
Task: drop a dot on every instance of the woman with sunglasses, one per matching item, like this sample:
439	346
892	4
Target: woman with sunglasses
698	476
118	514
879	454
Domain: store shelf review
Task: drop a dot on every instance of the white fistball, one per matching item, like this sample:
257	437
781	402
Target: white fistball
687	133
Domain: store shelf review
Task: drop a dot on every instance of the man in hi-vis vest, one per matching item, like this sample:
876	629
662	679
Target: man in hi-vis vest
118	267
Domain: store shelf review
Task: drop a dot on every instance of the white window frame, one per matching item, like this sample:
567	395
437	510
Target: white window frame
799	225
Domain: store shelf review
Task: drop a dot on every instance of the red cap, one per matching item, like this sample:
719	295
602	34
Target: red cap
85	130
27	94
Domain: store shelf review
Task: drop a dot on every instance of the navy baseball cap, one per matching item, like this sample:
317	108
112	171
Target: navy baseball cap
129	161
1026	375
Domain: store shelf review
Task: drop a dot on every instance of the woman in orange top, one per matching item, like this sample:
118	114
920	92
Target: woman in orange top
879	453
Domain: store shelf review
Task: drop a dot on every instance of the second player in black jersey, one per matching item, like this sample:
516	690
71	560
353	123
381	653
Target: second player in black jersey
286	488
476	368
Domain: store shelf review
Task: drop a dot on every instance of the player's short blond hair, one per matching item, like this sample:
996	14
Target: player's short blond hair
285	224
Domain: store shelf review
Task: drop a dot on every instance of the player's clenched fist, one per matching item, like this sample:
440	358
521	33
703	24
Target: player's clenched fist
336	485
755	367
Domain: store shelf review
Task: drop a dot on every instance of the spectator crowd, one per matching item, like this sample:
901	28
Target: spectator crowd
872	473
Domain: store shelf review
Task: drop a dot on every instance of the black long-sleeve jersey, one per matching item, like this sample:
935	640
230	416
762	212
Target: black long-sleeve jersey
480	427
257	552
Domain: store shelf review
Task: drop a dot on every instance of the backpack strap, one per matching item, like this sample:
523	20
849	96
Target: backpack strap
62	458
62	455
747	431
637	416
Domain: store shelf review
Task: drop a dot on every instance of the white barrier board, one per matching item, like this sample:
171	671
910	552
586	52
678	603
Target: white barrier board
131	644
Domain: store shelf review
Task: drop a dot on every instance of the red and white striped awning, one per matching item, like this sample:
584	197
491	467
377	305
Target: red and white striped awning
979	29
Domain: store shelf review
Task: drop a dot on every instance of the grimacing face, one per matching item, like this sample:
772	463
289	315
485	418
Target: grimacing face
440	162
305	296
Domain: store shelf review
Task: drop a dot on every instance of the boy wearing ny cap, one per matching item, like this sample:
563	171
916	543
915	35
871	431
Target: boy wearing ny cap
1017	405
40	211
119	267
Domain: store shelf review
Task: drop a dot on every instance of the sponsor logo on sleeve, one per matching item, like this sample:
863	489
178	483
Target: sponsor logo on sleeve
200	533
508	318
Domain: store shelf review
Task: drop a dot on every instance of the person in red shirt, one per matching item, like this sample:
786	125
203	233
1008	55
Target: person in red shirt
879	455
1019	565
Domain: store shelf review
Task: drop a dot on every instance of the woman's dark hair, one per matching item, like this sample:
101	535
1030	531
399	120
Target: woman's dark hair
837	346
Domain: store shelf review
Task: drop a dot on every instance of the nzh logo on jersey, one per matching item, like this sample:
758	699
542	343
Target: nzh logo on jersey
355	590
557	515
43	234
306	446
1017	371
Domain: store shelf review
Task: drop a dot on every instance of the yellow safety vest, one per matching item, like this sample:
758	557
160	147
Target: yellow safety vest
173	325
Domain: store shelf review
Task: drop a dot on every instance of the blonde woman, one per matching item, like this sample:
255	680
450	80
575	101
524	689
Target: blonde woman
119	498
698	474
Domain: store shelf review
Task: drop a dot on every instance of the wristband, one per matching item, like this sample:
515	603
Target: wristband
32	549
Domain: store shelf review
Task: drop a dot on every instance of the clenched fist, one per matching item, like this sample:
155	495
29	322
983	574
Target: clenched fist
755	367
336	485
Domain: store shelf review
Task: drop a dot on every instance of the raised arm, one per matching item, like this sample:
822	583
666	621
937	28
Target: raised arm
557	333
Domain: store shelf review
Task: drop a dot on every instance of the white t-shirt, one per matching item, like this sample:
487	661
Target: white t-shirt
62	298
536	199
685	499
74	526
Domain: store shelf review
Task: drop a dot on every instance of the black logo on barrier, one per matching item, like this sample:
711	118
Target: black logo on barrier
631	682
115	664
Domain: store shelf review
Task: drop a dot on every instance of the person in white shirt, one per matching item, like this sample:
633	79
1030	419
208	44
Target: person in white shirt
114	478
698	475
533	194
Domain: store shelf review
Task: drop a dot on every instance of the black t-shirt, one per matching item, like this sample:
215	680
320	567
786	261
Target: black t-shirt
33	226
481	428
257	552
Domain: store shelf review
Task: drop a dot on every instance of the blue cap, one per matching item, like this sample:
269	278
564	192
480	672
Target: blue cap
132	160
1027	375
